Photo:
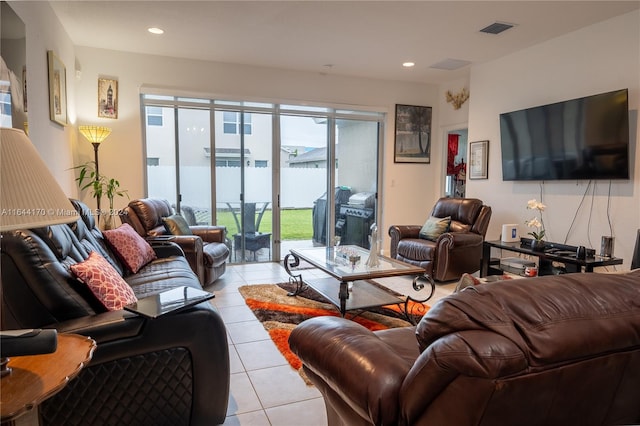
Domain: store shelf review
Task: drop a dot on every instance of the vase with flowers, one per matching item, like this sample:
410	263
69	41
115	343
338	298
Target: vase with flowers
537	244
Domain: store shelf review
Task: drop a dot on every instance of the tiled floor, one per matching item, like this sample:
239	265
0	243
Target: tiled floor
265	390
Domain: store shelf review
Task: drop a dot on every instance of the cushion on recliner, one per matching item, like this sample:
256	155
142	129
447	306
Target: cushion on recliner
416	249
434	227
176	225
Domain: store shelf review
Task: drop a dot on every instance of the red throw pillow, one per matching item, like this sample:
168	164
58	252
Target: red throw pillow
104	281
132	249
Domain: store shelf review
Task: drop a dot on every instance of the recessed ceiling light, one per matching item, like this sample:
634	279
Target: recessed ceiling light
408	64
155	30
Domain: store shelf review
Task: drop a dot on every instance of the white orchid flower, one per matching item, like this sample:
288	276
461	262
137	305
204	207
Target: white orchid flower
535	205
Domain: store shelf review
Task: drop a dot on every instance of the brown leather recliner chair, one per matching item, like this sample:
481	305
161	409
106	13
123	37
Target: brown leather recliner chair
455	252
206	249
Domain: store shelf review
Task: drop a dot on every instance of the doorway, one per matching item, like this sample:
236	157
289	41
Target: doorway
455	181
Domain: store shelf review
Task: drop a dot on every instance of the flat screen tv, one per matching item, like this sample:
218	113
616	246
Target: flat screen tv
584	138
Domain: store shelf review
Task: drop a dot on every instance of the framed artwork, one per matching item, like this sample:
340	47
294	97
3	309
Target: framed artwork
479	160
107	98
413	134
57	89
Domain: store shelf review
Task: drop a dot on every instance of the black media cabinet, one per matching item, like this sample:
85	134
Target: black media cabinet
553	252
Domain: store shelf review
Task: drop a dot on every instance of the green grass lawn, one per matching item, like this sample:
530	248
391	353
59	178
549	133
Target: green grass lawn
296	224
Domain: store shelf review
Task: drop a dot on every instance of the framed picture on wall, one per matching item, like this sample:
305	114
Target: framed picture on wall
479	160
57	89
413	134
107	98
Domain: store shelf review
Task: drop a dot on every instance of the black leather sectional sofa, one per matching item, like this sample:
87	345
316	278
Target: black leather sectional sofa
170	370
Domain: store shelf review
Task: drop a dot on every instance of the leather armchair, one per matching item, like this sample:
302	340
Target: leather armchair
455	252
206	250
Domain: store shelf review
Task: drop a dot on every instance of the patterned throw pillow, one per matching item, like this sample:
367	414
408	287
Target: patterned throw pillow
132	249
466	280
176	225
104	281
434	227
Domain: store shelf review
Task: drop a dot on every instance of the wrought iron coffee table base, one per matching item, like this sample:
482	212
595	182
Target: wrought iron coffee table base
362	295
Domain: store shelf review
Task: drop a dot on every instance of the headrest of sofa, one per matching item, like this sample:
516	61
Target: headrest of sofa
85	213
463	212
551	318
150	211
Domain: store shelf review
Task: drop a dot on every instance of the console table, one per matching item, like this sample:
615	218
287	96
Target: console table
553	252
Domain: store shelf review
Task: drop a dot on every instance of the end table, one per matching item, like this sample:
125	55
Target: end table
35	378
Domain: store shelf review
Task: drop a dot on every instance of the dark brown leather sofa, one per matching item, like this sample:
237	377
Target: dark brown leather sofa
170	370
206	250
455	252
554	350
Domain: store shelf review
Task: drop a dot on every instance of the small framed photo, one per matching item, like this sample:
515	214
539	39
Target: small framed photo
479	160
413	134
57	89
107	98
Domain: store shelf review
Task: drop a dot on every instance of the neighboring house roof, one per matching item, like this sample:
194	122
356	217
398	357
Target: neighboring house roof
222	151
316	154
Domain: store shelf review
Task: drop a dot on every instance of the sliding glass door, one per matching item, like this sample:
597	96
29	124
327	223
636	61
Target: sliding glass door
276	176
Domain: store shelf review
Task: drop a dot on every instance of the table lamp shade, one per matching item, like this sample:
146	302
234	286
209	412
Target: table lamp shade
94	134
30	197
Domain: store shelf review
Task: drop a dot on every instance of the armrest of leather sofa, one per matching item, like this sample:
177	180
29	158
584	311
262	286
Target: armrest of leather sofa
165	247
189	246
124	340
398	232
210	234
354	363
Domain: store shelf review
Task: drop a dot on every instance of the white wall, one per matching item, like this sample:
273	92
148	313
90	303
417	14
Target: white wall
122	155
596	59
54	142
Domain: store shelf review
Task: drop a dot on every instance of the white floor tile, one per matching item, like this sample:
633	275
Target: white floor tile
304	413
242	397
280	385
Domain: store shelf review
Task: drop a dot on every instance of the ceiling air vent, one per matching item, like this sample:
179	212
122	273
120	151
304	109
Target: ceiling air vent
496	28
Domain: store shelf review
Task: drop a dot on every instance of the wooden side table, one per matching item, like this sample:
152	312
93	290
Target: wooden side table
35	378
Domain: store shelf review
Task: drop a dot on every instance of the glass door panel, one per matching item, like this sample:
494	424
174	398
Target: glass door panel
194	141
356	180
244	169
161	153
304	210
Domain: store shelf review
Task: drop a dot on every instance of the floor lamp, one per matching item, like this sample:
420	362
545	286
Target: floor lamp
95	135
29	198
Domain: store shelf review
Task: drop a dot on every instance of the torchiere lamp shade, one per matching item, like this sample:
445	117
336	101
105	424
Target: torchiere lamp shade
30	197
95	134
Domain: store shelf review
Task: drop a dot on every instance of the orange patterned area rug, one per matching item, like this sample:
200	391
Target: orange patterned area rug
279	313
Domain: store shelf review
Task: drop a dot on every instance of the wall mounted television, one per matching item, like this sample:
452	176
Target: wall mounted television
584	138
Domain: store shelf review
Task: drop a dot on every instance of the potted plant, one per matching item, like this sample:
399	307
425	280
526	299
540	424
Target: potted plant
90	178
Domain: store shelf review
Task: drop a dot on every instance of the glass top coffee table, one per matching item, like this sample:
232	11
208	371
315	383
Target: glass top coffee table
348	287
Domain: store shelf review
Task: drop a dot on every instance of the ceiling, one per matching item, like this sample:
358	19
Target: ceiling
356	38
